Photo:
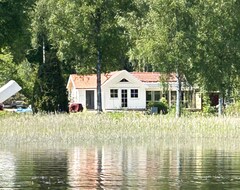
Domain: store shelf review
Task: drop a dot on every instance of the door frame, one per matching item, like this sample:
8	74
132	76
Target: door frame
124	98
90	99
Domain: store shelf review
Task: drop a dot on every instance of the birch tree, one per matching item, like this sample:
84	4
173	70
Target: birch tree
218	47
165	36
87	35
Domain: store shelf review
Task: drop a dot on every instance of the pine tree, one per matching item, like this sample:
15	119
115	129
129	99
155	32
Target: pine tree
50	93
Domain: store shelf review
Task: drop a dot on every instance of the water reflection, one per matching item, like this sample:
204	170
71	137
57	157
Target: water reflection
120	167
7	169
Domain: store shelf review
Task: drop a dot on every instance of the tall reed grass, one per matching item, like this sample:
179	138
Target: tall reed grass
123	127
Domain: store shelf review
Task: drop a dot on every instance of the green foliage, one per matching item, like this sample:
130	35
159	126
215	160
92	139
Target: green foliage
23	73
14	22
198	39
8	68
164	101
233	109
165	36
49	93
162	106
26	76
14	42
79	29
218	44
84	34
167	48
206	107
49	90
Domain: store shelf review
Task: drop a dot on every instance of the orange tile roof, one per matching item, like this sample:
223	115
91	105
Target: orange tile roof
153	76
90	81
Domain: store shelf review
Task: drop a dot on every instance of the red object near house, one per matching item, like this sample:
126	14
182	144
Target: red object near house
75	107
1	107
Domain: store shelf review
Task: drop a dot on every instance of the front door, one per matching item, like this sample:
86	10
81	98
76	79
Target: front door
90	99
124	98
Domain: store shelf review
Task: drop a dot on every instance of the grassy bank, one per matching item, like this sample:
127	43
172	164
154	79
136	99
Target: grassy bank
85	128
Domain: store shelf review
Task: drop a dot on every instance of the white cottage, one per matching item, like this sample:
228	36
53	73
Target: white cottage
127	90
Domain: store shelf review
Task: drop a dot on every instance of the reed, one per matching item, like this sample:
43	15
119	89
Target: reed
123	127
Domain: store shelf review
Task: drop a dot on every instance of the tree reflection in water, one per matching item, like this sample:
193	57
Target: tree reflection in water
115	167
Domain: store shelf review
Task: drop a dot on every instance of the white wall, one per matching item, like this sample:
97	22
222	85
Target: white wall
131	83
137	103
78	96
82	97
133	103
108	102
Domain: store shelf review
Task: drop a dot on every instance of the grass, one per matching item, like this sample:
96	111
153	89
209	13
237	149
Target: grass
110	128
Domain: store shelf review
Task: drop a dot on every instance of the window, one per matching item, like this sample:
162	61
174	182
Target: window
113	93
156	96
134	93
124	80
173	97
149	96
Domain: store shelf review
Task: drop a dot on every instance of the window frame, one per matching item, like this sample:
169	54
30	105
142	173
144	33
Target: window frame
134	93
113	93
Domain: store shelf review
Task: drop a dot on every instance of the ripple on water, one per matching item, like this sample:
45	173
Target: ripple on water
108	167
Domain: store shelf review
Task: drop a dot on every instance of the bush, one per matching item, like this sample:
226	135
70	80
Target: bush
233	109
162	106
207	108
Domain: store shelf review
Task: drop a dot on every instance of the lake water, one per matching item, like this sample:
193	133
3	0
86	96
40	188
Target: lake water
120	167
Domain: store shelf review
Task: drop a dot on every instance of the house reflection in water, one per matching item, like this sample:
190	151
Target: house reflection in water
120	167
94	168
83	167
116	167
111	167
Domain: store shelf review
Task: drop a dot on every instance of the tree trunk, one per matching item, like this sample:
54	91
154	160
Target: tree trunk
44	51
99	93
179	92
99	58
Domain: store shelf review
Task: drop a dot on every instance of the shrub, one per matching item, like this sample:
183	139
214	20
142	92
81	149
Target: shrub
50	93
207	108
233	109
162	106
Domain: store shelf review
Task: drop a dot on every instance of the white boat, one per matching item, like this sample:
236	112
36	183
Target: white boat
9	90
